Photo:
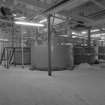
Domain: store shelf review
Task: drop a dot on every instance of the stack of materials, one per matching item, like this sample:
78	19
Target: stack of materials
83	66
88	67
102	53
61	57
84	55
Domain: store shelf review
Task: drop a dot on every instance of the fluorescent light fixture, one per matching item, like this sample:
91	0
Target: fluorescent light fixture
4	40
83	32
68	44
43	21
95	30
56	21
28	24
98	35
20	18
64	35
14	14
74	33
74	36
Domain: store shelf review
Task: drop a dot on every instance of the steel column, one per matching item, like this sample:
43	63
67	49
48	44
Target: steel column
12	24
49	46
22	47
89	37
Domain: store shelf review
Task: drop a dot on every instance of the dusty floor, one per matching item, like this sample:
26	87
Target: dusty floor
24	87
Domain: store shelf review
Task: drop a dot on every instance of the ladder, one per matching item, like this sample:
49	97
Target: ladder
2	56
8	56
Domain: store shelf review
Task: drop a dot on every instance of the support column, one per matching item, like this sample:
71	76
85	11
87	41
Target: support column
22	47
49	46
89	37
69	33
12	35
13	42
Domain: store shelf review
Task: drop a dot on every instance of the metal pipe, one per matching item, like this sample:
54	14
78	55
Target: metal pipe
49	46
12	34
89	37
22	48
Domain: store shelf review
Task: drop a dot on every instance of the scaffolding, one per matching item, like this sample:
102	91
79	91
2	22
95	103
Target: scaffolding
11	40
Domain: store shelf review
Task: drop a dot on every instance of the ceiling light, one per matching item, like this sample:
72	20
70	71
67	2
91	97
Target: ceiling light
20	18
95	30
83	32
28	24
68	44
14	14
64	35
4	40
43	21
74	33
74	36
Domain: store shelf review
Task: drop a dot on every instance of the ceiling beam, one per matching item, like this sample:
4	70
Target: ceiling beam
56	5
31	6
69	4
83	18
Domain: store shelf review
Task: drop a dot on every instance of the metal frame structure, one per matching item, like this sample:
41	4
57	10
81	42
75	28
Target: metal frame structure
12	43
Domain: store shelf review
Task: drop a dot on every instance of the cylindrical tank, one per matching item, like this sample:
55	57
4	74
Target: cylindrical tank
62	57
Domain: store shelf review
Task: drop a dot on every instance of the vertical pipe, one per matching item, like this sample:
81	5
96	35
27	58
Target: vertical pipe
7	56
49	46
22	47
71	57
15	56
13	40
12	34
89	37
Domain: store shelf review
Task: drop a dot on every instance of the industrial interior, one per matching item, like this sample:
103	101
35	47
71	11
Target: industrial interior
68	32
53	36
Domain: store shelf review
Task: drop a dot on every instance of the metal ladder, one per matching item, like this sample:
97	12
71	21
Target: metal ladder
8	56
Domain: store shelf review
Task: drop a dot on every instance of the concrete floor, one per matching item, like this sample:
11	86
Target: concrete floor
24	87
